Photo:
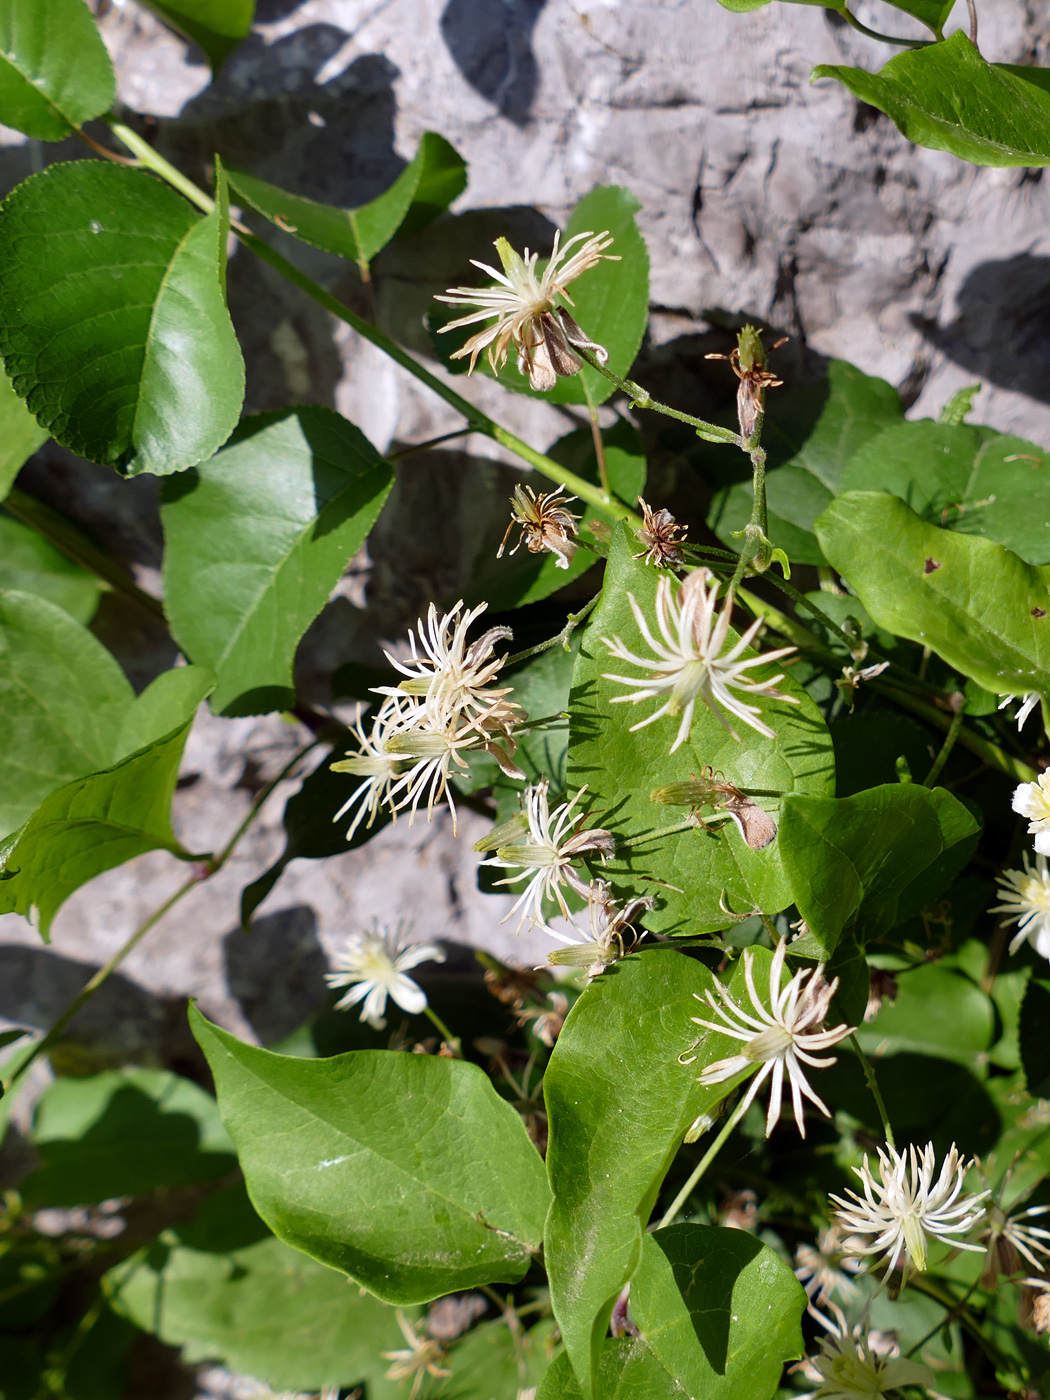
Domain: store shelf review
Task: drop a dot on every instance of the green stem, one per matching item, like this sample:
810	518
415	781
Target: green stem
562	639
478	421
856	24
640	398
452	1041
702	1166
57	530
873	1085
988	752
756	532
946	748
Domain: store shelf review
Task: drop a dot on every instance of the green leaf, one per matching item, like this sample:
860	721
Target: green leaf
55	71
742	7
257	538
1035	1045
217	1287
862	854
696	874
215	26
28	564
428	185
407	1172
719	1309
490	1362
933	13
977	605
856	409
619	1102
89	826
169	700
936	1011
62	702
123	1133
20	434
947	97
113	319
971	479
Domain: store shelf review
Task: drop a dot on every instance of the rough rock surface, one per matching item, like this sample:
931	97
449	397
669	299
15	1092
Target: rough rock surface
762	196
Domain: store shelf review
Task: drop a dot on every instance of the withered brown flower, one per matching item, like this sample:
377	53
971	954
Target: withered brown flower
658	535
545	524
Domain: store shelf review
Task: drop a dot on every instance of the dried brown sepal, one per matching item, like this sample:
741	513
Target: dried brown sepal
748	363
545	525
512	986
661	536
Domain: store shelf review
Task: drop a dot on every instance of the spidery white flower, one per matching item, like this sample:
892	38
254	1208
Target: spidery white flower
527	312
1028	703
855	1364
1026	900
822	1271
1032	800
613	934
1008	1239
779	1039
422	1357
444	708
373	965
901	1211
688	664
545	855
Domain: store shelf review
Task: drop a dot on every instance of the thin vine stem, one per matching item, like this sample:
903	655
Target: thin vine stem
562	639
937	767
203	871
702	1166
876	1093
452	1041
478	421
862	28
641	398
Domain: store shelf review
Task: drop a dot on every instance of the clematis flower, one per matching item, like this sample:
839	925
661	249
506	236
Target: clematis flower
545	525
545	854
1026	900
659	534
855	1364
1032	800
1028	703
421	1358
904	1207
822	1271
779	1038
374	764
526	310
443	664
373	965
688	664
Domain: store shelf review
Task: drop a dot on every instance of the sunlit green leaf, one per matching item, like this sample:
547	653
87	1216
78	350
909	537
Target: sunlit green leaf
948	97
936	1011
933	13
218	1286
55	71
113	319
719	1309
257	538
20	434
619	1102
407	1172
123	1133
699	877
28	564
215	26
977	605
434	178
866	854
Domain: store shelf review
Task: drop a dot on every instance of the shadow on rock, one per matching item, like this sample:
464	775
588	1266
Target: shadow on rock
491	43
276	972
1001	333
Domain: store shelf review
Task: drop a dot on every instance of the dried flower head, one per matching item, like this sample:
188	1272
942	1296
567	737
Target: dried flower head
748	363
1032	800
778	1038
613	935
902	1210
546	1021
688	664
422	1357
373	965
511	986
1035	1303
546	852
658	535
527	311
882	986
1026	902
545	525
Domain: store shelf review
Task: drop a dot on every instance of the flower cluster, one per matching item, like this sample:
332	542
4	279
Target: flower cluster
445	708
1025	893
688	662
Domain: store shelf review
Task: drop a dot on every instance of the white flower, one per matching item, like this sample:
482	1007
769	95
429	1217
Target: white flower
822	1271
858	1365
613	935
906	1207
448	669
1026	899
372	762
1032	800
527	312
1008	1240
688	662
546	853
421	1358
780	1038
373	965
1028	704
